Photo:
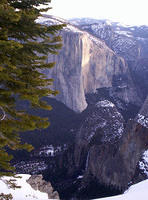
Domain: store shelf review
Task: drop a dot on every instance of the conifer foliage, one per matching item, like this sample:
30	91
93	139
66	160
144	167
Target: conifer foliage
24	46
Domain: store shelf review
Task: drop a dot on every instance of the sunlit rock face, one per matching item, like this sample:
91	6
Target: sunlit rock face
90	59
84	64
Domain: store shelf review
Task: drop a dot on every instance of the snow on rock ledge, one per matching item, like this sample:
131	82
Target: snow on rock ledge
105	103
26	192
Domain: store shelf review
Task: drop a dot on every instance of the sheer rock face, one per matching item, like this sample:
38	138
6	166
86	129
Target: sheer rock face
37	183
85	64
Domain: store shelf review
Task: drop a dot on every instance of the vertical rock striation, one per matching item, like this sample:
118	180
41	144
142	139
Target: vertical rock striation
84	64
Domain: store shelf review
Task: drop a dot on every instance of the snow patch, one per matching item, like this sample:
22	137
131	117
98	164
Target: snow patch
26	192
143	165
141	119
80	177
105	103
126	33
50	150
56	21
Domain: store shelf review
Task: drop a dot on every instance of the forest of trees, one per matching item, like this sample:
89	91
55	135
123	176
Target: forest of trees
22	58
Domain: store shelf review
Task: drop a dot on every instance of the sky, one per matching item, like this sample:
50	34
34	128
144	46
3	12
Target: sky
130	12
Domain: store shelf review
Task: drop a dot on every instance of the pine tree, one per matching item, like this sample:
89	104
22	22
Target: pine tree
24	46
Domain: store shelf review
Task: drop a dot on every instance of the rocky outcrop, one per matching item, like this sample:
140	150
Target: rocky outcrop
103	125
37	183
106	151
116	164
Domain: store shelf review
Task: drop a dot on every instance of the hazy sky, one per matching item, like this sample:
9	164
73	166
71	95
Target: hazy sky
125	11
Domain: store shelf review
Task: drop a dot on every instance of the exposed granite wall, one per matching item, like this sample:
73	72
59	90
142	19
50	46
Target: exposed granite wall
84	64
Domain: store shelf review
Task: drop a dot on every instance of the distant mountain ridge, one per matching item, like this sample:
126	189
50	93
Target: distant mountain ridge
127	41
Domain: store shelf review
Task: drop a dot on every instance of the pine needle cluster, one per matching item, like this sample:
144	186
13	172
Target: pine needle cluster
24	46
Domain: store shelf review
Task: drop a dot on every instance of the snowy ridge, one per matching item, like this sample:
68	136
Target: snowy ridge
122	39
71	28
50	20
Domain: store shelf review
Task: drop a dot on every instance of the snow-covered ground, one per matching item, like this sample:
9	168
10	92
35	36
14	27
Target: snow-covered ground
105	103
26	192
138	191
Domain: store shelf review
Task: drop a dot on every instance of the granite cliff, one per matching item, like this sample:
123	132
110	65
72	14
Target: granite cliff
129	42
84	64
